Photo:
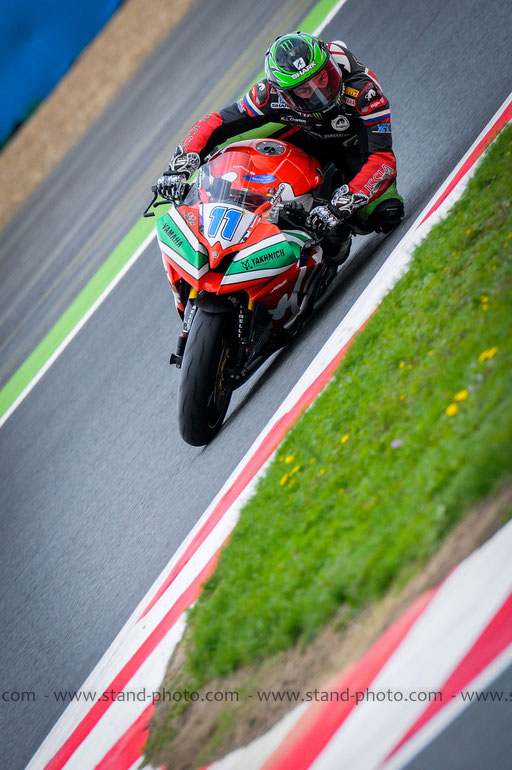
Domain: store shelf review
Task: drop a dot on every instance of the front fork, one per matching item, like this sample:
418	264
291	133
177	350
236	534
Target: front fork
244	334
190	311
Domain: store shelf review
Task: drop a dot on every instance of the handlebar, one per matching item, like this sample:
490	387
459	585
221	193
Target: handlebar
154	203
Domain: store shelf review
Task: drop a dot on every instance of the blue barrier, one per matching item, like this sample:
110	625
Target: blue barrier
39	41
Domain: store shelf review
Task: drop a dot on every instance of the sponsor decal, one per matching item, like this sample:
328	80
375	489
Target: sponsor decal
377	103
383	173
351	91
278	194
190	218
341	123
349	101
259	178
173	236
251	262
280	104
299	63
195	128
293	119
241	105
382	128
370	94
303	71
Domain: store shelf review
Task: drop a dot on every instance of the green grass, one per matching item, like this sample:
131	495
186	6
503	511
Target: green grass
372	478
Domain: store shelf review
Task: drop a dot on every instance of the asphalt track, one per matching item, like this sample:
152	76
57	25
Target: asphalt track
97	488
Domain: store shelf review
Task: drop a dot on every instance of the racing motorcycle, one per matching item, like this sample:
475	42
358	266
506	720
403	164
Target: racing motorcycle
243	270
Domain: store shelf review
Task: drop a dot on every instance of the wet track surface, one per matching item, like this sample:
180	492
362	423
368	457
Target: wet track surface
97	488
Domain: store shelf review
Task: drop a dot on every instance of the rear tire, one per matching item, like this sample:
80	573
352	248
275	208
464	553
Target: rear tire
204	394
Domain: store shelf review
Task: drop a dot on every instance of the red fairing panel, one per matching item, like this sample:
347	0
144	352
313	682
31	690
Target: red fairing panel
199	134
375	176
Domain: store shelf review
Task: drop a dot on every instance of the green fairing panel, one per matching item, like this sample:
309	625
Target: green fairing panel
180	241
279	255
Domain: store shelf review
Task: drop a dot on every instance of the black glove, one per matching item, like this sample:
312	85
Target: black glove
171	186
321	221
324	219
345	202
181	166
184	162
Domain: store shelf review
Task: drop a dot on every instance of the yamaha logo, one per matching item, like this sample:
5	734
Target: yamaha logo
341	123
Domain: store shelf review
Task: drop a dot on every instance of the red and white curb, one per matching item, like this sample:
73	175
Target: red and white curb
109	734
458	637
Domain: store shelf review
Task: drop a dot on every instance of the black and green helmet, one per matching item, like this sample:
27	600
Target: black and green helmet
302	70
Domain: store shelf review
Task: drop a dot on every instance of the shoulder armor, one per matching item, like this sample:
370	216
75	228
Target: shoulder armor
370	98
340	54
260	93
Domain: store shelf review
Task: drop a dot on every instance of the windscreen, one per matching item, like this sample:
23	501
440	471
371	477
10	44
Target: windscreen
238	178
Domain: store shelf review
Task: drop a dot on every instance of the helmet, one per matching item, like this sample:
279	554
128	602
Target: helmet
303	72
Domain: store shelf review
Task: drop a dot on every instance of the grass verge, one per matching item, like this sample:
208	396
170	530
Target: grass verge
413	429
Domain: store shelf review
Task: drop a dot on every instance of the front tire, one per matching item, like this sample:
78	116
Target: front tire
204	391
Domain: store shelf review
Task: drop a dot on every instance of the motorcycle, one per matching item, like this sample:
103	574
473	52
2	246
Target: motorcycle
244	271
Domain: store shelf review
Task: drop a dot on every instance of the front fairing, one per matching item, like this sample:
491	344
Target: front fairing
223	238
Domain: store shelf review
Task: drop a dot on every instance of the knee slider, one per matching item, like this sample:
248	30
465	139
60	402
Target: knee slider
386	215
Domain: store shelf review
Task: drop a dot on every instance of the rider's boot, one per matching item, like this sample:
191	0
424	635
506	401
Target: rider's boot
336	246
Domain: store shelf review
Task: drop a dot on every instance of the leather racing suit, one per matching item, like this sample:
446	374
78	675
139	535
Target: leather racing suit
354	135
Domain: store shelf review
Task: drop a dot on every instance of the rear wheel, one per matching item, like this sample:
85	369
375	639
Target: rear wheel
204	392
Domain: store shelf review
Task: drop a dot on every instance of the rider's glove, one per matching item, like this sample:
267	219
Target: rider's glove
321	221
170	185
181	166
346	202
324	219
184	162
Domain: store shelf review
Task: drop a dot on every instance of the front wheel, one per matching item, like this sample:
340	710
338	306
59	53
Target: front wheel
204	392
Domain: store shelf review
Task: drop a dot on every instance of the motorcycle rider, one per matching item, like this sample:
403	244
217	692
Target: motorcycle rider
333	108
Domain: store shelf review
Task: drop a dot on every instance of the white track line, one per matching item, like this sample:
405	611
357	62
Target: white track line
110	288
134	633
72	334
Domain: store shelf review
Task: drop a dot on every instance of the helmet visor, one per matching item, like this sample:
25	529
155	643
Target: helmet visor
319	92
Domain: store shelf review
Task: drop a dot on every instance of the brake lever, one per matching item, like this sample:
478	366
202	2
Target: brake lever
164	202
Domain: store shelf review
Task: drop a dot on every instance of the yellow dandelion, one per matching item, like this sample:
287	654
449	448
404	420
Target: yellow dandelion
431	352
452	410
485	299
402	397
409	366
401	364
313	460
468	232
321	471
509	236
345	438
485	354
294	470
485	307
461	395
284	479
290	458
